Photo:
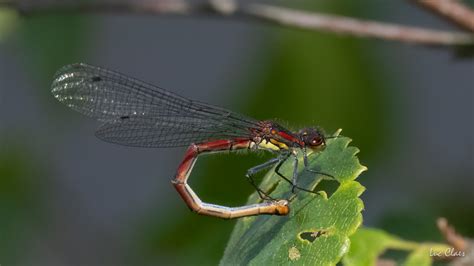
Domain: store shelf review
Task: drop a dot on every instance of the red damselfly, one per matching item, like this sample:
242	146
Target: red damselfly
138	114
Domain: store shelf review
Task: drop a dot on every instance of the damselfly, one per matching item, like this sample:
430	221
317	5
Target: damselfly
138	114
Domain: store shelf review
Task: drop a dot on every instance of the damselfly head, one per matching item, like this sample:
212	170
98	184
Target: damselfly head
313	138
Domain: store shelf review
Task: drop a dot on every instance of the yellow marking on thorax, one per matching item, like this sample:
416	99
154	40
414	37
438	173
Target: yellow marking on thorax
272	145
281	145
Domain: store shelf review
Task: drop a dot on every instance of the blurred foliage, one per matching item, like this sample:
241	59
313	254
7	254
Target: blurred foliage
8	22
305	78
417	221
47	42
414	222
22	210
367	245
317	229
51	41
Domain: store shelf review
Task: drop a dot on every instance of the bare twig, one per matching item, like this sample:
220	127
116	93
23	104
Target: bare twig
160	7
451	10
355	27
277	15
453	239
463	253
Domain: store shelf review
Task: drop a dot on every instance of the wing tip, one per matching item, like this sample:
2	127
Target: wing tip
67	69
61	77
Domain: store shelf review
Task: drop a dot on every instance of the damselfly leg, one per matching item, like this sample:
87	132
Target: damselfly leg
279	161
294	180
306	166
252	171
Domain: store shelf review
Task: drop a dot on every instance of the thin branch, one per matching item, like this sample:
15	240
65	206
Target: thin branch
454	239
271	14
451	10
355	27
160	7
463	253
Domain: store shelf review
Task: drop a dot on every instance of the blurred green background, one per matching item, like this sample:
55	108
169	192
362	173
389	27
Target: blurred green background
66	198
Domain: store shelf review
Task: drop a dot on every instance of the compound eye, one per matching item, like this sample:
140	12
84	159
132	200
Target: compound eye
316	141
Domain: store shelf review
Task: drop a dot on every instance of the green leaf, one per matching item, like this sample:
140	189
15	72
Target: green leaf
419	257
317	230
8	21
23	181
367	245
53	40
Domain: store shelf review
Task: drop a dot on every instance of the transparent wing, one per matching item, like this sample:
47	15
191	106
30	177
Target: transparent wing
139	114
158	132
